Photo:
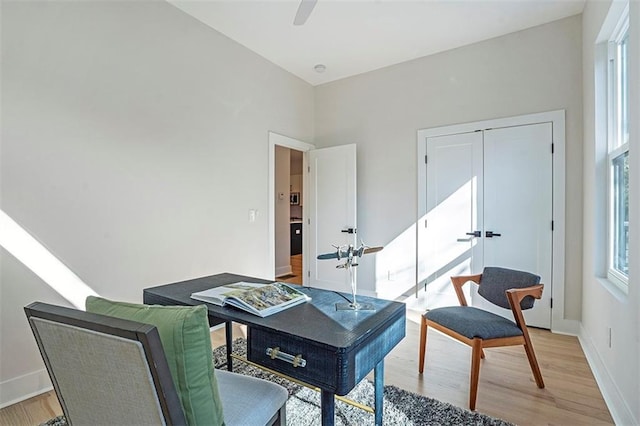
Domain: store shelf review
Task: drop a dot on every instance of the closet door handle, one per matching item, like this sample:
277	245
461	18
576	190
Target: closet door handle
474	234
491	234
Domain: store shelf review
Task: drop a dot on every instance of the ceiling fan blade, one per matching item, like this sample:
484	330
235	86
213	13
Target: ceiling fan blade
304	10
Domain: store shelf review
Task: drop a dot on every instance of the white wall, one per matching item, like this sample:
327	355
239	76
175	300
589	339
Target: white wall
530	71
603	307
134	143
133	137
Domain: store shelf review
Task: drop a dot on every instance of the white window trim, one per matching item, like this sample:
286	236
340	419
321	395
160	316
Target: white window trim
614	276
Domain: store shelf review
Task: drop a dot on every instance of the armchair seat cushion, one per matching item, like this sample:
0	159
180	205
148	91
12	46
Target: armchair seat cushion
473	322
252	401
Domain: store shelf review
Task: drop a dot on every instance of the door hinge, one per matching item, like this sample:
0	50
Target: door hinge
553	147
425	223
551	302
552	224
309	274
425	159
308	169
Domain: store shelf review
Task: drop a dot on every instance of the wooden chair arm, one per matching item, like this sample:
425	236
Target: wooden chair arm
534	291
459	281
515	296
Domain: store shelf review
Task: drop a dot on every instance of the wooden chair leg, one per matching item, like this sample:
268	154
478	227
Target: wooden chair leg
423	344
476	354
533	362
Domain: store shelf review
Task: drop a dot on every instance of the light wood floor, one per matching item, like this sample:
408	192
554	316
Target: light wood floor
506	390
296	271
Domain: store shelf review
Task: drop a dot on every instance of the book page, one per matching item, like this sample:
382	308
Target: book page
258	299
268	299
217	295
267	296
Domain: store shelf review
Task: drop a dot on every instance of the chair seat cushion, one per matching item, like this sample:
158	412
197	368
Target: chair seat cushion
184	333
248	400
473	322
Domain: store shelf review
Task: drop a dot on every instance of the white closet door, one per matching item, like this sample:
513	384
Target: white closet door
518	194
454	210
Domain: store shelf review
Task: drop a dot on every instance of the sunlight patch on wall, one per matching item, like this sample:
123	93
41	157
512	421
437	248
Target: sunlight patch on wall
444	248
445	243
45	265
395	265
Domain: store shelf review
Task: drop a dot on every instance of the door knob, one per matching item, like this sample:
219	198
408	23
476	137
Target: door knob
491	234
349	230
474	234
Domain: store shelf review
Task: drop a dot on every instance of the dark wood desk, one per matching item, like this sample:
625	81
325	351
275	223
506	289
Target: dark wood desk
339	347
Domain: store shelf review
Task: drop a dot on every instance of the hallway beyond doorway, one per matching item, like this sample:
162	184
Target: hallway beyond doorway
296	271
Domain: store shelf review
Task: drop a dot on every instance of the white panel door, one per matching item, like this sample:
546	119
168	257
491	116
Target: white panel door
454	211
518	206
332	212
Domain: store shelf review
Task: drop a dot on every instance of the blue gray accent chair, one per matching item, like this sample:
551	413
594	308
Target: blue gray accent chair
507	288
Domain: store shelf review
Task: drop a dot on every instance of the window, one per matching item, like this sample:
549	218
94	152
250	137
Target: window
618	154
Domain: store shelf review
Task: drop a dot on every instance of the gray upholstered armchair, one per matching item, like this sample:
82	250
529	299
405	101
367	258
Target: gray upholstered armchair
510	289
110	370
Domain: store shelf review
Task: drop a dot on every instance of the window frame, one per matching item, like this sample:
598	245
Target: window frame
617	140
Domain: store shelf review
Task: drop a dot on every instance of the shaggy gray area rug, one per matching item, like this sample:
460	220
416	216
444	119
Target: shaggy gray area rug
400	407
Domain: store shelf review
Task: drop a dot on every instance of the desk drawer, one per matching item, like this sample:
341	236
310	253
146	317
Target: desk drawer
321	364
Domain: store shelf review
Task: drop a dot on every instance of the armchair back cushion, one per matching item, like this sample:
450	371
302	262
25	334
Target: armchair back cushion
495	281
184	333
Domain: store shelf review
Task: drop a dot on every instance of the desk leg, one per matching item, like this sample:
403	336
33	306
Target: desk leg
328	405
228	332
378	383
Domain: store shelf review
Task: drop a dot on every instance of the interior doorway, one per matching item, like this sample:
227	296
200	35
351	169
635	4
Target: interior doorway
287	189
292	234
328	198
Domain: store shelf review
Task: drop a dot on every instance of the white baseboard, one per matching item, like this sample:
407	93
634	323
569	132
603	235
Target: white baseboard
24	387
620	411
283	270
564	326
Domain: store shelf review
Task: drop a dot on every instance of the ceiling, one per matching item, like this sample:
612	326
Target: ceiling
351	37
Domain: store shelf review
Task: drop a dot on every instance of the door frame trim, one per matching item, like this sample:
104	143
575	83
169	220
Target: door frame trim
298	145
557	118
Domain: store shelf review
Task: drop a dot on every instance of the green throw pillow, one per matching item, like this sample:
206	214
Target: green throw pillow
184	332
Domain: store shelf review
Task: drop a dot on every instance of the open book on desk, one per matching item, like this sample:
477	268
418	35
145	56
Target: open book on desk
258	299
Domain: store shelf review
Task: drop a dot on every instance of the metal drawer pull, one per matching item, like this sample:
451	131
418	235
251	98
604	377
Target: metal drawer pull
296	360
